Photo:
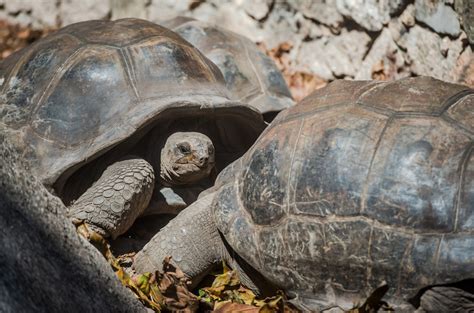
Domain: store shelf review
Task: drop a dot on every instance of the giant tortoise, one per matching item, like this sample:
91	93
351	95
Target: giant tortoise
129	99
250	75
361	184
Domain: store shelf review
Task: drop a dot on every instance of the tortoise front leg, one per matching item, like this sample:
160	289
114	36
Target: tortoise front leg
113	203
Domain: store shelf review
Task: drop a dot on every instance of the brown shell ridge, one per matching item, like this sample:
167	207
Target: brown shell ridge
291	198
384	111
55	79
202	58
363	198
369	263
260	83
249	217
459	126
463	165
296	116
402	229
129	70
455	98
403	260
437	255
160	38
451	102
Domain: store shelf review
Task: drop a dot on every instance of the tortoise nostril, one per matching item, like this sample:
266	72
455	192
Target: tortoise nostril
203	160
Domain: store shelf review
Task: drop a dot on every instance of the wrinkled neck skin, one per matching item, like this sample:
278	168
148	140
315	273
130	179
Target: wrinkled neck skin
201	248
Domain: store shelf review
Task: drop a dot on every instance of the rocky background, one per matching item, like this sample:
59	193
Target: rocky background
313	41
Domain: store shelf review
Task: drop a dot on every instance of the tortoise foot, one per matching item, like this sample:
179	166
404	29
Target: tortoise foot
117	198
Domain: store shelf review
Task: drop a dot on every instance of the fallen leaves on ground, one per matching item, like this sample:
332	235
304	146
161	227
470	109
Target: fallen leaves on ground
159	291
227	294
166	290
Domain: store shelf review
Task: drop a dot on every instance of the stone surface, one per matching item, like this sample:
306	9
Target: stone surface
323	11
257	9
45	265
36	14
282	26
160	10
128	8
384	61
465	8
430	55
335	57
437	15
370	14
408	16
464	70
71	13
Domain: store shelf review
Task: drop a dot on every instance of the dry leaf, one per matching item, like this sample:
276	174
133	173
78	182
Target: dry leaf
225	307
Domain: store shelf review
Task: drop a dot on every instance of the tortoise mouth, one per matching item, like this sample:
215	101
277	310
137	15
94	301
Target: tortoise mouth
232	129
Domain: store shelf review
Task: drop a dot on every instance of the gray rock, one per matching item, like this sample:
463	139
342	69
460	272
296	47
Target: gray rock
347	51
70	12
370	14
282	25
230	15
396	5
128	8
322	11
408	16
45	266
438	16
310	30
312	58
337	56
257	9
160	10
465	8
384	56
36	14
429	55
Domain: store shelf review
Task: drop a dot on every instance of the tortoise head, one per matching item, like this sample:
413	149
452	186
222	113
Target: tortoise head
186	157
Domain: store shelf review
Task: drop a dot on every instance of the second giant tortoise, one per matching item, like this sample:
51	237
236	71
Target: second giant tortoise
359	185
128	97
250	75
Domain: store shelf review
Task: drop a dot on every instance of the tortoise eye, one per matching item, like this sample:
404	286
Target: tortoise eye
184	148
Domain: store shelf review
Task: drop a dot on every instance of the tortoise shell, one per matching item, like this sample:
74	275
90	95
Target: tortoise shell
250	75
75	94
360	183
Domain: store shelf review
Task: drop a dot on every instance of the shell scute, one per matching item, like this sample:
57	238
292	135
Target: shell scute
250	75
420	95
332	161
161	66
263	188
93	89
462	112
414	180
388	250
455	260
32	75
